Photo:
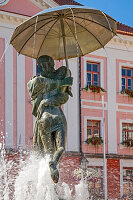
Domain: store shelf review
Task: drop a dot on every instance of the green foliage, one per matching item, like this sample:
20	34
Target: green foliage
128	143
127	92
94	88
94	140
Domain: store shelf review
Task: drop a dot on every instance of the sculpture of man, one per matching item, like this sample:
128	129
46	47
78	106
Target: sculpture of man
48	92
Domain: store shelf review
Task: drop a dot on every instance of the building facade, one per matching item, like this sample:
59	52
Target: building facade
111	69
102	89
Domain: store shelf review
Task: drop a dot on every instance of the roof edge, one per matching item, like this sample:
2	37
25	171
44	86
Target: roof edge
124	33
67	2
124	29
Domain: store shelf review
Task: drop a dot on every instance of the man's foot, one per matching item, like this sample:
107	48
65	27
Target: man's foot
54	172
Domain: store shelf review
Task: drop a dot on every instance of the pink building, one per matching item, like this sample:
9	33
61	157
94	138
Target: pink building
111	69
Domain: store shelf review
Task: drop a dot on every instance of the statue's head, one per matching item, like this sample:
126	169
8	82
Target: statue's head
45	64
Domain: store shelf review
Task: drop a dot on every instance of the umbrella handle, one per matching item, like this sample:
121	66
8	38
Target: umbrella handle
64	44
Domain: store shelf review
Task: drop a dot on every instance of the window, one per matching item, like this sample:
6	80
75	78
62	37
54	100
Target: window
95	182
37	70
93	74
127	78
127	131
93	128
127	181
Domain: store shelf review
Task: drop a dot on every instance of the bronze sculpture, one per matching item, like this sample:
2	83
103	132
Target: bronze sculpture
48	92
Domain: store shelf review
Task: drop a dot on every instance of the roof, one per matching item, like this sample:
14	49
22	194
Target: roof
67	2
124	29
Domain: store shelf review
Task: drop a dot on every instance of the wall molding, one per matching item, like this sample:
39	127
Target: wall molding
122	40
11	18
44	4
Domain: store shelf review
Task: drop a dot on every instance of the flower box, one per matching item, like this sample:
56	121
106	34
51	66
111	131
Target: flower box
94	141
94	88
128	143
127	92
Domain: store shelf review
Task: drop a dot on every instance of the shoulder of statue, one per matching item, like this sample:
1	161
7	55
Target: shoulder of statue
38	78
35	81
34	77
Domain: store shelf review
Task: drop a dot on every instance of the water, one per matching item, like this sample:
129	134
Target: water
30	178
34	37
7	44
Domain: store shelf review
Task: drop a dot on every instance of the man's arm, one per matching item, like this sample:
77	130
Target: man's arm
37	84
56	100
53	84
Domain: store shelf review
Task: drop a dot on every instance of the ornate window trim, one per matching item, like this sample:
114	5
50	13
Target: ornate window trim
3	2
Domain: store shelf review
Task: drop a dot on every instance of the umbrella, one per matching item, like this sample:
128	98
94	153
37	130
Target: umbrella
64	32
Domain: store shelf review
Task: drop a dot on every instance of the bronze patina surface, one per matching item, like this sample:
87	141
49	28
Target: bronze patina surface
48	92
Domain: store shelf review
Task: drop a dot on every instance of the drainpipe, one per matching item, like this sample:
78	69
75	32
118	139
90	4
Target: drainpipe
104	154
80	139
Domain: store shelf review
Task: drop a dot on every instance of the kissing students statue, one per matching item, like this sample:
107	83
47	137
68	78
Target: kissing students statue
48	92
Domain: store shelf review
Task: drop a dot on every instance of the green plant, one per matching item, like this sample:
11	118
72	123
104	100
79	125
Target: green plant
128	143
94	88
127	92
94	140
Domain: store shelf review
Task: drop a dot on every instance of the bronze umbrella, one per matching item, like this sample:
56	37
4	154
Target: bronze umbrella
64	32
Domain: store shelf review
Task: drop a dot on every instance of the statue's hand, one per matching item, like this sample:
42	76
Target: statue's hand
44	102
68	81
69	91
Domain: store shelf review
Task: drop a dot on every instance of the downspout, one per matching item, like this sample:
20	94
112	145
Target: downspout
80	136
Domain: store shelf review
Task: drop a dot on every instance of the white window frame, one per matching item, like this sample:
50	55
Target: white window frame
101	66
128	121
86	118
123	64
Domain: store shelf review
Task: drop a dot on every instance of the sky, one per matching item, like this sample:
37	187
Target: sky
120	10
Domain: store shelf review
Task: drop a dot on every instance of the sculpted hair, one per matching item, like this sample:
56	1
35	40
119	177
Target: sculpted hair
45	59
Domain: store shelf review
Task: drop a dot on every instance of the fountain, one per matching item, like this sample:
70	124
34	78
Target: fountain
31	178
26	179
